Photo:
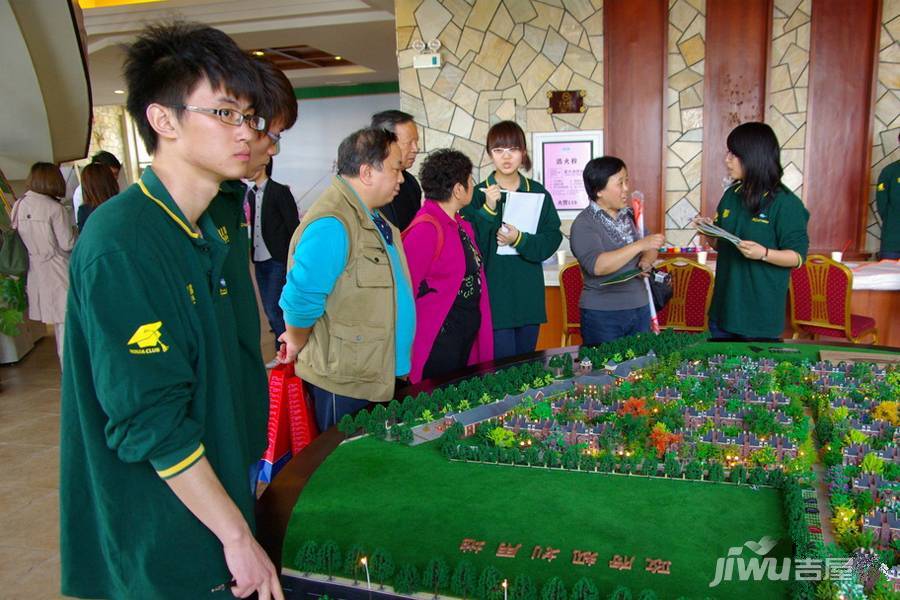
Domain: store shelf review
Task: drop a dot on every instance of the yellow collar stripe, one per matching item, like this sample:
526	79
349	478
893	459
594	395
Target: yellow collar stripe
163	206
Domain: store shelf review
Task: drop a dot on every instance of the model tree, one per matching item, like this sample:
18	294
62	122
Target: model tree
379	413
584	589
381	566
462	583
757	476
435	575
405	581
307	557
362	419
554	589
620	593
672	466
738	474
650	466
352	565
330	558
716	472
394	410
693	470
490	584
346	425
523	588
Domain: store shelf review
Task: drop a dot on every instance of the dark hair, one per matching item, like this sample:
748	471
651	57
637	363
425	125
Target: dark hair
441	171
508	134
597	173
276	101
756	146
98	184
168	61
389	119
107	159
46	178
269	167
364	147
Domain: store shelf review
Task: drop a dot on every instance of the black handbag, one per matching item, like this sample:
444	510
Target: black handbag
660	288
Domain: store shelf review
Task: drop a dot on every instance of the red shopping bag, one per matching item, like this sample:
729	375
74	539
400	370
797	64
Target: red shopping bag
292	424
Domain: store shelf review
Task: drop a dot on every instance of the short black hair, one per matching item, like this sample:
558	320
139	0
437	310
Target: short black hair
597	173
389	119
167	62
368	146
756	146
106	158
441	171
269	166
276	101
508	134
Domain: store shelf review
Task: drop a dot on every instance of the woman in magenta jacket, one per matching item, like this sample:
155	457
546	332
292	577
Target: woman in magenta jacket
453	314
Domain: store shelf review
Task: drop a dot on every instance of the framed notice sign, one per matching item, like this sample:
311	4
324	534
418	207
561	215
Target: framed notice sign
559	159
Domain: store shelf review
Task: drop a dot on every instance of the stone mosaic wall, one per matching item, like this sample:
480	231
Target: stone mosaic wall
887	110
788	84
500	57
687	51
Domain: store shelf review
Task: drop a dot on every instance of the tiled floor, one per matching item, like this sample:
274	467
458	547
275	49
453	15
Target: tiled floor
29	485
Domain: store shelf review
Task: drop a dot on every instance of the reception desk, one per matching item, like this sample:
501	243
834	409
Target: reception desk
876	293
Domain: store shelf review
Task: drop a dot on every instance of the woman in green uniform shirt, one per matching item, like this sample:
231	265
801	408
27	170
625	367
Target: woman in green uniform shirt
515	281
752	278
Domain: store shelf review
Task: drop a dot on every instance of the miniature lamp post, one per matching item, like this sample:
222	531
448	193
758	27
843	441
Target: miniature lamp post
505	585
365	563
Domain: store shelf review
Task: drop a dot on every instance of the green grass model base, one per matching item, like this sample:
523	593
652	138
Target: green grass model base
420	506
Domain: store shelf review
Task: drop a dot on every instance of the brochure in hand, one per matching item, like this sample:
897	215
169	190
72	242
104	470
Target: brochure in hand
711	230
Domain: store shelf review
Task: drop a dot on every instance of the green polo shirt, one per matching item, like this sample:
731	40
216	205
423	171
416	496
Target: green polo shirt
750	296
227	212
887	200
515	282
151	383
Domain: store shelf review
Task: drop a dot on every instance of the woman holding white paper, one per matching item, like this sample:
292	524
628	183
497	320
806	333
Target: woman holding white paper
612	252
516	279
751	285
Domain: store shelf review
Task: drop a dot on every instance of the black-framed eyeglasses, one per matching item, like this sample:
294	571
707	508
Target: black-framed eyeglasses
276	141
229	116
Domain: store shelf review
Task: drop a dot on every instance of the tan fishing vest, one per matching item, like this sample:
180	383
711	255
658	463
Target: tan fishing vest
351	347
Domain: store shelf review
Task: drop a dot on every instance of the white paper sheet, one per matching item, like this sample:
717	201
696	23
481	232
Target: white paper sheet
523	211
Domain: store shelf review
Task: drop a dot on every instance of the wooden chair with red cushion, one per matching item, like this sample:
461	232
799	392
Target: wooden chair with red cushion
819	293
571	282
692	287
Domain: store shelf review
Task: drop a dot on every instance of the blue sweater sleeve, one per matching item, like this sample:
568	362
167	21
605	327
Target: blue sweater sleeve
319	259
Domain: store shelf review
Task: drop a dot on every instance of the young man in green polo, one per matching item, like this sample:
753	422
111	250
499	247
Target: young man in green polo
156	449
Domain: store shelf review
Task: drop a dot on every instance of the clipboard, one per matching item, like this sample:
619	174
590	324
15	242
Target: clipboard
523	211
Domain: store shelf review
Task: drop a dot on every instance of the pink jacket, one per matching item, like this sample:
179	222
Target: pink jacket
443	273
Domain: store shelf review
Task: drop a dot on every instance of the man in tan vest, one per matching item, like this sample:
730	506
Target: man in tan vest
348	304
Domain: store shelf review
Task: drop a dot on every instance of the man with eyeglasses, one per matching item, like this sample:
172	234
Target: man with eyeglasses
348	302
162	422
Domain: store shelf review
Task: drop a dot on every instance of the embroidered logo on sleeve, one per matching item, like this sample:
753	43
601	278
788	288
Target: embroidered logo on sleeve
148	340
881	187
725	213
223	233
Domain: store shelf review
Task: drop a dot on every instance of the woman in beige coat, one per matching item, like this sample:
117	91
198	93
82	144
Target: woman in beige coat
45	227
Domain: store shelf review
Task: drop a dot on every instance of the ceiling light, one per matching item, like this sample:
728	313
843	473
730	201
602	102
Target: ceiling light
337	58
118	91
258	53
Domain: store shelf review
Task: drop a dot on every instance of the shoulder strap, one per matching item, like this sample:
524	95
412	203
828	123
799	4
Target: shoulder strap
426	218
